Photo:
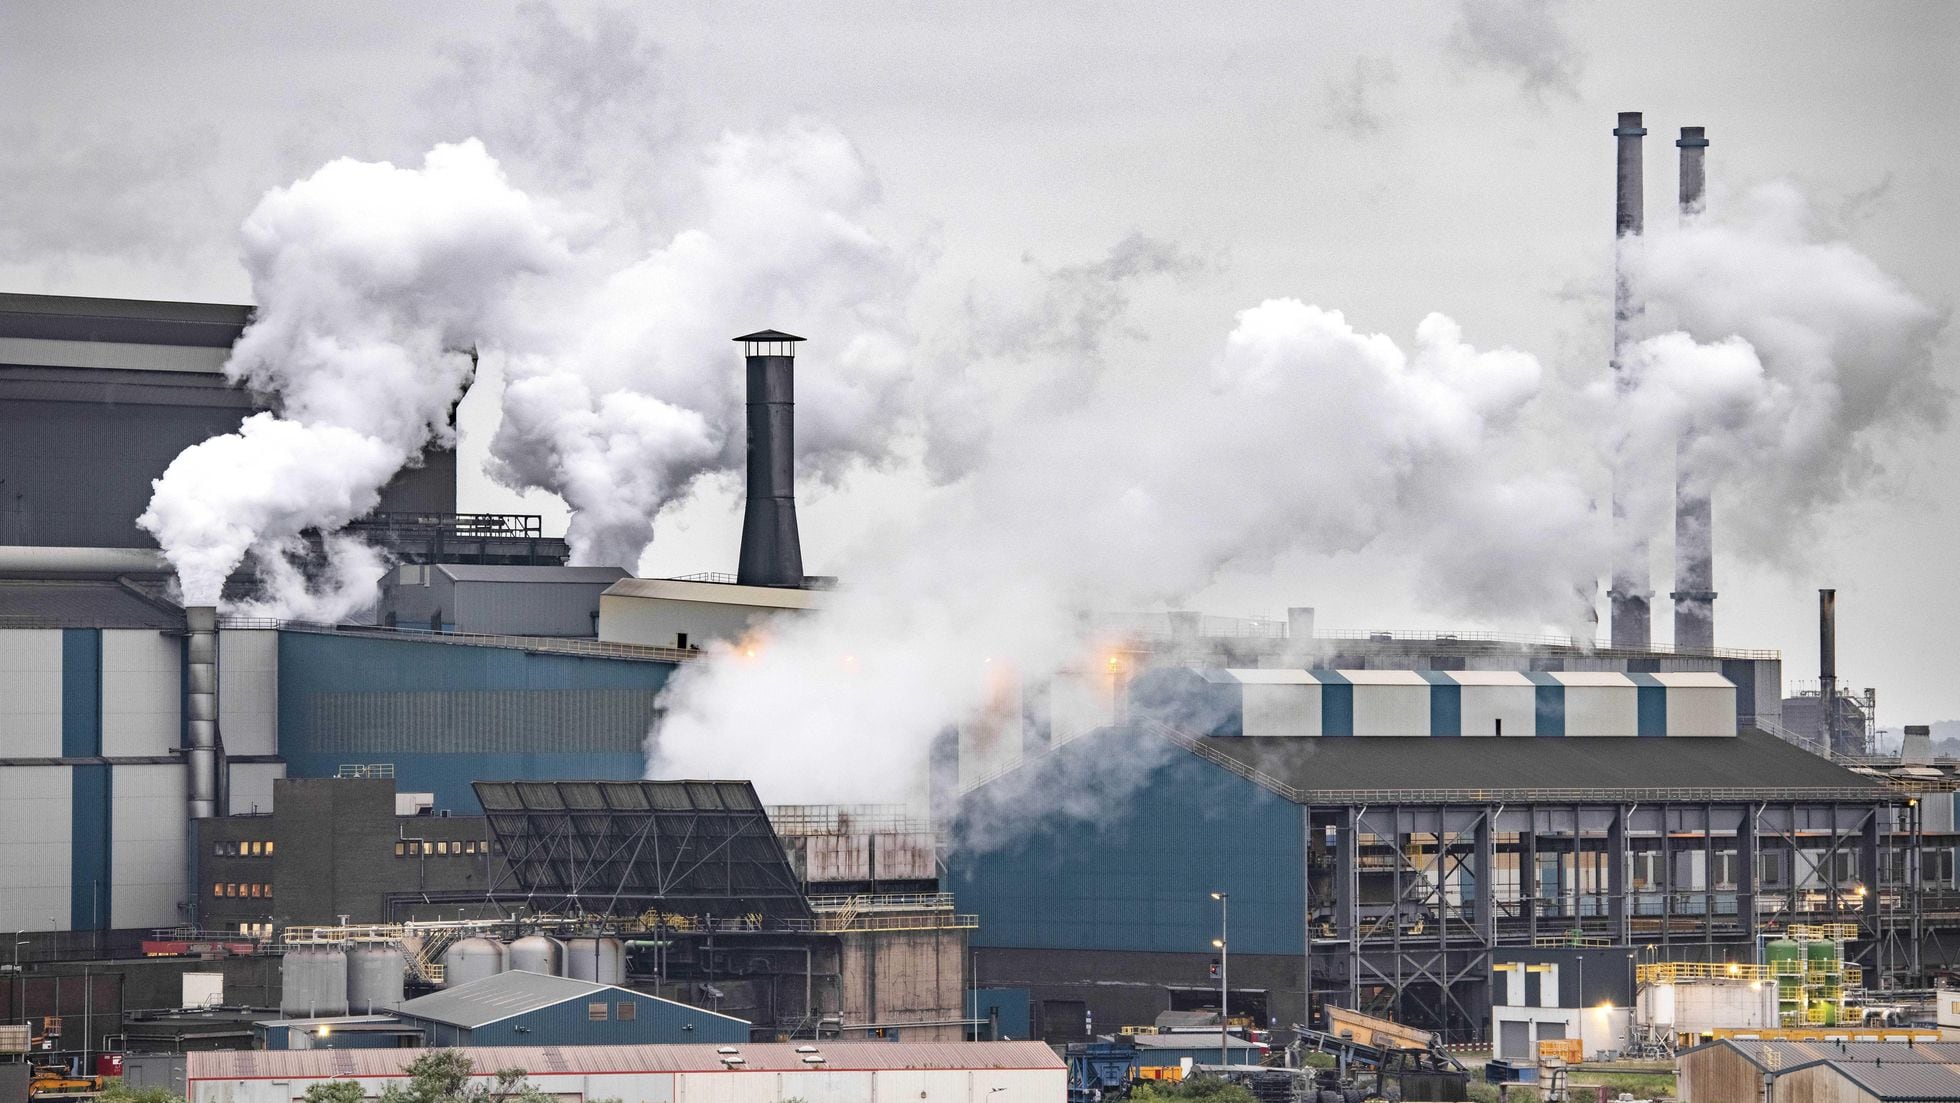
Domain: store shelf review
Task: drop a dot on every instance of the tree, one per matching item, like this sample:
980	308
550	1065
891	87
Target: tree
335	1091
116	1091
444	1075
1206	1088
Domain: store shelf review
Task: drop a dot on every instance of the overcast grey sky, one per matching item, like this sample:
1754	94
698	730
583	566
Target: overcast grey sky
1387	160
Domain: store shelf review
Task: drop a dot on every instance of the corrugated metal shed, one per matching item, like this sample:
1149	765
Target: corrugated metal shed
545	1060
1894	1071
508	995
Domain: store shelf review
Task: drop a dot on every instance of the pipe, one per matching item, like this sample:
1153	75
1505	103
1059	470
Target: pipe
1694	511
1631	590
37	562
202	755
772	554
1827	698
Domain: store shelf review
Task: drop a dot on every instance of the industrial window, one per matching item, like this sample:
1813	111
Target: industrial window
401	848
596	1012
217	888
442	848
268	892
255	891
254	849
268	848
626	1012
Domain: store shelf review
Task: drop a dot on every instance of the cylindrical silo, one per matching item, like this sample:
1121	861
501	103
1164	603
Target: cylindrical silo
313	983
538	953
602	960
472	959
375	978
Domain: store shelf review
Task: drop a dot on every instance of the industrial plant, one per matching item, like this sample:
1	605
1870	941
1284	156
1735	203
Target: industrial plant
239	847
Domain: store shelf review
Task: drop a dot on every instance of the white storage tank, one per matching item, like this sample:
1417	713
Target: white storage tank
473	959
538	953
313	983
375	978
601	960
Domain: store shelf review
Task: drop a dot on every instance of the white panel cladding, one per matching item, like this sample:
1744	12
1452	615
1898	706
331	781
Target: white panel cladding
142	692
1488	696
30	694
1699	704
248	691
250	791
1279	702
1282	709
1389	702
146	863
35	830
1600	703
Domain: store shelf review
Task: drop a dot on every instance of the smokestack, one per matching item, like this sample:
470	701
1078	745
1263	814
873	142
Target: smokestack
1631	591
772	555
1827	696
1694	512
202	755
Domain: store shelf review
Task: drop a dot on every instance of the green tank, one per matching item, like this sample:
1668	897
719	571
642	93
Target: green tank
1785	958
1822	957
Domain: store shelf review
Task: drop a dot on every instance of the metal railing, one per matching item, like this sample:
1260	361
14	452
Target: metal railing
894	901
602	649
1217	627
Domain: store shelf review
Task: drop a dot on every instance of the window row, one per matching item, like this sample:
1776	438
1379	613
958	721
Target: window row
242	848
622	1012
231	889
412	848
254	928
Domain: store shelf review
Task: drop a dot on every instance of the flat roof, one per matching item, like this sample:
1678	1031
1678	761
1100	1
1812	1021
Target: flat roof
1752	760
543	1062
81	603
491	572
715	593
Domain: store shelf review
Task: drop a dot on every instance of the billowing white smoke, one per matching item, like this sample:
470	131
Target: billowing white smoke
1303	433
373	284
643	393
1781	359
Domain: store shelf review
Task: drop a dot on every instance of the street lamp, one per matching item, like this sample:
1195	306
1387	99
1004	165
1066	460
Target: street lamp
1224	971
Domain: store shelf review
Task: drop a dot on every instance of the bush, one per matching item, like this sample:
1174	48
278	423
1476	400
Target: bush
1207	1088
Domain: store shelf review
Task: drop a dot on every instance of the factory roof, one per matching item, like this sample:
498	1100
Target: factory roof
1752	760
488	572
543	1062
510	994
1889	1070
719	593
81	603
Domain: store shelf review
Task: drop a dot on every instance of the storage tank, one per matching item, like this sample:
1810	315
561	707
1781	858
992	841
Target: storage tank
1785	959
472	959
375	978
538	953
602	960
313	983
1825	970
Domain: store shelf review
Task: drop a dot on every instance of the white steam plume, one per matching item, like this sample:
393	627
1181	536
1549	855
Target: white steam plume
638	398
373	282
1781	358
1304	433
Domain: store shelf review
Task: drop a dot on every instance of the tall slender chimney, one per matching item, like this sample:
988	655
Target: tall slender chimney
1631	590
1827	695
202	755
772	554
1694	512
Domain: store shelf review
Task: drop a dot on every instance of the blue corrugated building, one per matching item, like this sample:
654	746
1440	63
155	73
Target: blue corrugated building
532	1009
446	714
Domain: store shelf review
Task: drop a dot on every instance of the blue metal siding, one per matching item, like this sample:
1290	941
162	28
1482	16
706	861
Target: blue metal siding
1445	704
1742	672
1336	704
1650	705
1550	700
1140	878
1185	700
440	702
91	793
1008	1007
81	692
655	1022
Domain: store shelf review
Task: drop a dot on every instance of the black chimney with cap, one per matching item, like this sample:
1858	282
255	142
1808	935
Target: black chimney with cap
772	555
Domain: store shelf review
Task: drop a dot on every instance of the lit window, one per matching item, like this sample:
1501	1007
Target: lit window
255	891
268	848
268	892
254	849
217	888
401	848
442	848
231	888
596	1012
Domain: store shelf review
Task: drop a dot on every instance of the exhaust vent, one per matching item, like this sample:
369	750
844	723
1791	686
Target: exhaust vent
772	553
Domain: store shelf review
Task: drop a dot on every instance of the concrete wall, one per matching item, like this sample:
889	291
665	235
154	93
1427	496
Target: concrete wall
142	692
149	836
35	828
903	977
30	692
